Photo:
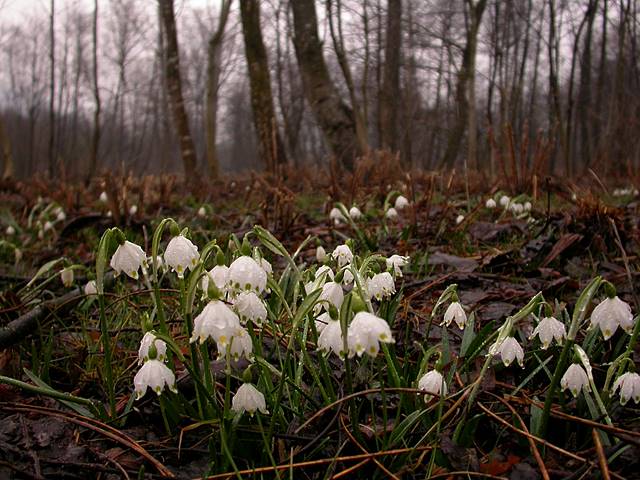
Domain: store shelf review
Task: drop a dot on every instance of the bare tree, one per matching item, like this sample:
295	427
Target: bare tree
390	93
95	136
52	90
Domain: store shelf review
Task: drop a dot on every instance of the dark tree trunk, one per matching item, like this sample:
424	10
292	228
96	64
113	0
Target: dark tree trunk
390	94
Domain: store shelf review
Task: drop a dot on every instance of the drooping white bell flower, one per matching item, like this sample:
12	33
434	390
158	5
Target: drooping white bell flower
459	219
155	375
516	208
181	254
324	273
217	321
509	350
365	333
433	384
336	216
245	274
342	254
128	258
548	329
133	209
10	231
91	288
629	385
266	266
331	339
103	197
202	212
611	313
381	286
250	307
456	313
321	254
331	294
61	216
322	321
397	262
504	201
48	226
391	214
401	202
66	275
219	275
347	277
355	213
527	206
575	379
148	339
248	399
490	203
240	345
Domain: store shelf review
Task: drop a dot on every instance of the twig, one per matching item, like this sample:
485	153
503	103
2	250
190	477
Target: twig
602	459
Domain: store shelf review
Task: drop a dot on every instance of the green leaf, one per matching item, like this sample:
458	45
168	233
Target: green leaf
469	334
47	267
72	404
404	426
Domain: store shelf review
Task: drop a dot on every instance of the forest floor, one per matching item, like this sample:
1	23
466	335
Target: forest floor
323	423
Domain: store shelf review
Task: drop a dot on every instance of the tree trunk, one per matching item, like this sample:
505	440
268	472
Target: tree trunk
390	94
270	145
52	91
8	170
335	118
95	137
213	79
174	85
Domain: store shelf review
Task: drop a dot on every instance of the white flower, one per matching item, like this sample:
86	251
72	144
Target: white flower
218	275
355	213
575	379
217	321
331	339
322	321
433	384
66	275
509	350
365	333
391	214
397	262
332	294
61	216
527	206
18	254
128	258
611	313
10	231
324	273
516	208
133	210
343	255
90	288
181	254
202	212
629	385
266	266
109	214
548	329
381	286
156	375
103	197
321	254
250	307
245	274
459	219
240	345
401	202
145	344
504	201
248	399
347	277
456	313
336	215
48	226
490	203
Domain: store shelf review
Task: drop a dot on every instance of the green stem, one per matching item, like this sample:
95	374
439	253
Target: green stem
106	365
49	392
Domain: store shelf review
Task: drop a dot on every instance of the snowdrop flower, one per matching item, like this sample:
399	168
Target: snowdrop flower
66	275
321	254
10	231
266	266
380	286
91	288
397	262
240	345
611	313
629	385
527	206
459	219
219	275
217	321
391	214
365	333
248	399
331	339
133	210
103	197
548	329
401	202
322	321
433	384
509	350
575	379
325	271
342	254
355	213
347	277
517	208
202	212
61	216
332	294
155	375
109	214
336	215
128	258
490	203
181	254
149	339
504	201
48	226
250	308
245	274
456	313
